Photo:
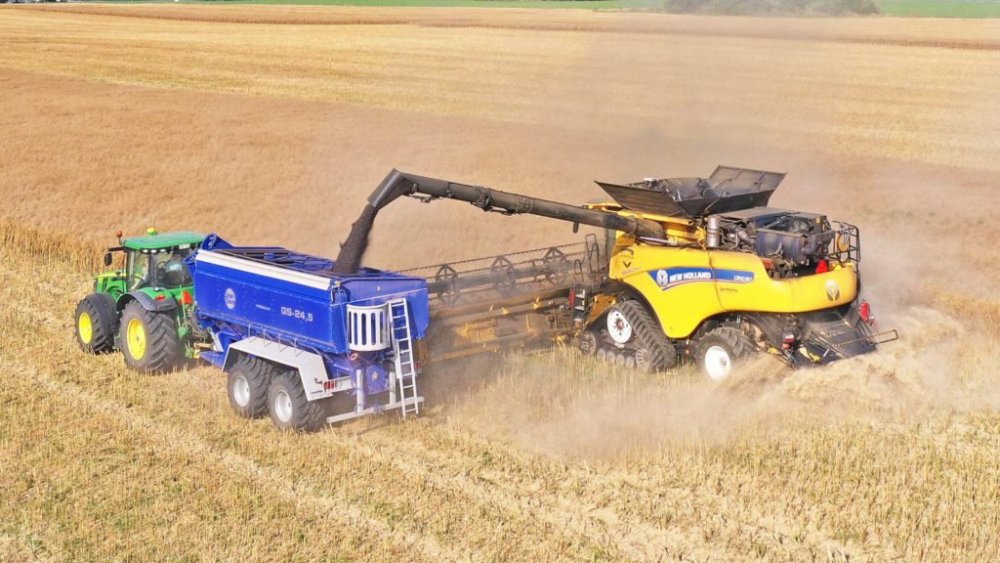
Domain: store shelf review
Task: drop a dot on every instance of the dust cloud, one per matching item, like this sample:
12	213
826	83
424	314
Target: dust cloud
567	405
942	365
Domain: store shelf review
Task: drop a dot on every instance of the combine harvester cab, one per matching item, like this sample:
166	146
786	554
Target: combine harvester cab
292	336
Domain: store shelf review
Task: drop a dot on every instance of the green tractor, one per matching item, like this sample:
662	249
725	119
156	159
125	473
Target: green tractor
142	308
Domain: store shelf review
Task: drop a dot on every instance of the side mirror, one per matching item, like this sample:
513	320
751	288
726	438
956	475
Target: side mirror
107	259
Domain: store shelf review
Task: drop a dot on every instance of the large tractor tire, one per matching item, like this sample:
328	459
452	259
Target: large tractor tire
247	386
289	408
629	323
149	339
96	323
720	350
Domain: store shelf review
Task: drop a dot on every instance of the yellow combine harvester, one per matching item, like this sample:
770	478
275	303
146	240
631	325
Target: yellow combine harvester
696	268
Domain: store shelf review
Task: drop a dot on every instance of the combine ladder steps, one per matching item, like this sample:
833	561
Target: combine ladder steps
402	347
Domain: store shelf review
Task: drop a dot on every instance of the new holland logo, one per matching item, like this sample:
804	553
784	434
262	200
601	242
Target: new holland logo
230	298
832	290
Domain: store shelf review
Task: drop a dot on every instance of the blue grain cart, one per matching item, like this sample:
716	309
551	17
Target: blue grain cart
292	336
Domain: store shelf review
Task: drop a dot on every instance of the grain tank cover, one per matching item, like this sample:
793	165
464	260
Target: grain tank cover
727	189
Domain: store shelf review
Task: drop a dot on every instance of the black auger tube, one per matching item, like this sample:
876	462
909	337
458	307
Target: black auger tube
398	183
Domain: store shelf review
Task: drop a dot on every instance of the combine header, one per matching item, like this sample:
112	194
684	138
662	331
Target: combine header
697	269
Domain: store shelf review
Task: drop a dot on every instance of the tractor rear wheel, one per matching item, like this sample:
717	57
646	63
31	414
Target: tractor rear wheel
290	410
247	385
721	349
653	351
149	339
96	323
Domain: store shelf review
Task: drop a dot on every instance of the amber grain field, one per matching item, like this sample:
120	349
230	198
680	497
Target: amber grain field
272	124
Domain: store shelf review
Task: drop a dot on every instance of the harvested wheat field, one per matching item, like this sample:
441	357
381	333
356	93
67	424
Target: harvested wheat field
271	125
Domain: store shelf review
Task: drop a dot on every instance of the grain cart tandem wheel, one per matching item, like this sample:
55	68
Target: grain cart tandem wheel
290	410
96	323
631	326
149	339
247	386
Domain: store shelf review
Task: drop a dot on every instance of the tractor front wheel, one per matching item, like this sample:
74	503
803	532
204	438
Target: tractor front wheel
96	323
721	349
149	339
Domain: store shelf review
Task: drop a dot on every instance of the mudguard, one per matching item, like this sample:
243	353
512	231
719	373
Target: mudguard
148	302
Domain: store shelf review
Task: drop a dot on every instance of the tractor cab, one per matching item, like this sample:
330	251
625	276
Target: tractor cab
157	260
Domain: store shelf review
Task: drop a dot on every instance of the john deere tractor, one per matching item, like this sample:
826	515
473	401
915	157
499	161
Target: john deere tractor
141	307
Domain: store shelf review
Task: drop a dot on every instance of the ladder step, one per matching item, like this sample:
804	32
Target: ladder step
406	373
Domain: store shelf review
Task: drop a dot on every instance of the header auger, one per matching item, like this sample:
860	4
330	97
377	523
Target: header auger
680	269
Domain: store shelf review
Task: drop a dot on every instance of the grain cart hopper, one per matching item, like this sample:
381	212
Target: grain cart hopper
694	268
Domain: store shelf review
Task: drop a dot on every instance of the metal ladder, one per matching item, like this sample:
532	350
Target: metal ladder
402	347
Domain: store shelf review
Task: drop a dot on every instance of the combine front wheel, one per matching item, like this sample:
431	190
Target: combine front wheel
721	349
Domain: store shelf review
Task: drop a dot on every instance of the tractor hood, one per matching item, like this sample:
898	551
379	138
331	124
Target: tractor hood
727	189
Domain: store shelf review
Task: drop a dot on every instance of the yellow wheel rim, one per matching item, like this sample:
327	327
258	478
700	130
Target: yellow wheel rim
86	328
135	336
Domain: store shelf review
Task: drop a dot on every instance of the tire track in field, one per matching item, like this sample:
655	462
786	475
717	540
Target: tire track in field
569	514
600	498
171	439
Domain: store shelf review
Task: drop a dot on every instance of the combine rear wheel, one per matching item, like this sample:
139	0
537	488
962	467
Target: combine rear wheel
149	339
96	323
721	349
247	385
290	410
630	325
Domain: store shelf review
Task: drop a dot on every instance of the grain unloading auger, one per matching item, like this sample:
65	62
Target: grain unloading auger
693	268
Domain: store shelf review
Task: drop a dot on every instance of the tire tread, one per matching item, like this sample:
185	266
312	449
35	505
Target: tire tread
163	344
307	416
649	336
104	321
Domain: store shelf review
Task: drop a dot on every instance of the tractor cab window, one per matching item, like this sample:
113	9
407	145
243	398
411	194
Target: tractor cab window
138	269
163	268
171	271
